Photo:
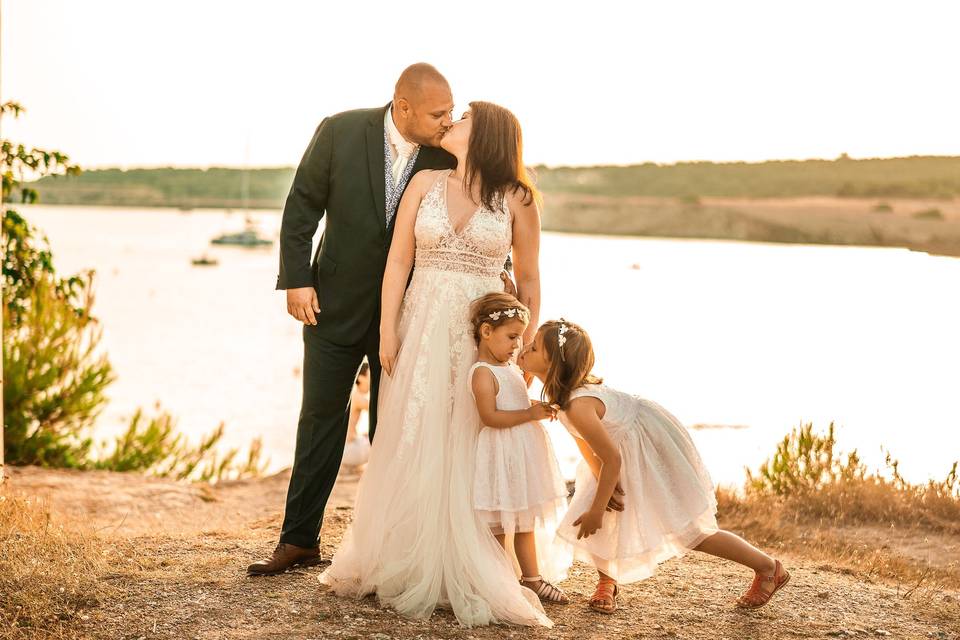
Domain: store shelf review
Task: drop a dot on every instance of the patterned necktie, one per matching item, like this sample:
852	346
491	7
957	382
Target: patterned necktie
403	151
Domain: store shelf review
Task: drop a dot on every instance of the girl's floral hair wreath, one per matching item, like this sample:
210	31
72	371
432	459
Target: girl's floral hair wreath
510	313
562	339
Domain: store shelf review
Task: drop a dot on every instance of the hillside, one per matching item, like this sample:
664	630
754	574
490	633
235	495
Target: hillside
915	177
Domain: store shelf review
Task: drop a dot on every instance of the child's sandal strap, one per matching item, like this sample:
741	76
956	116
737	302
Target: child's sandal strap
546	591
755	596
550	593
604	598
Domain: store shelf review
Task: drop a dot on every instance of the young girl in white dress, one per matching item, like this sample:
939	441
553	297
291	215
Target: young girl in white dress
518	489
668	500
356	451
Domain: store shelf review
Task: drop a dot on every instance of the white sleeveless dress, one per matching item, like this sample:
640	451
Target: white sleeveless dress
518	487
670	504
416	541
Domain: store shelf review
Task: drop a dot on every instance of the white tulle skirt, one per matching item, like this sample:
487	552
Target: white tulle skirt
669	508
518	488
416	540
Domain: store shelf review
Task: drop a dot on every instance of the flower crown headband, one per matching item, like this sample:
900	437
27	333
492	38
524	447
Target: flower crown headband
512	312
562	339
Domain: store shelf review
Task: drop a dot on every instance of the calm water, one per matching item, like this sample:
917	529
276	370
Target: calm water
723	334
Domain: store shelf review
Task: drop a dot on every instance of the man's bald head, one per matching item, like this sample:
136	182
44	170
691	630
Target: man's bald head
416	79
422	104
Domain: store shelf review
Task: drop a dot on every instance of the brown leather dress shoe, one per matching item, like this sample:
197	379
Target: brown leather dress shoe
284	557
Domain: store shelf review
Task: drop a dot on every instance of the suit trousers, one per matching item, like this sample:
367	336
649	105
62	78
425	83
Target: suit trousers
329	373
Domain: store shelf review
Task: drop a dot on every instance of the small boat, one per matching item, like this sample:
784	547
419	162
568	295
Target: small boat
205	261
245	238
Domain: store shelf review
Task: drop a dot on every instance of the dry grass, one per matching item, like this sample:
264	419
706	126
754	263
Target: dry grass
809	496
867	500
907	537
49	574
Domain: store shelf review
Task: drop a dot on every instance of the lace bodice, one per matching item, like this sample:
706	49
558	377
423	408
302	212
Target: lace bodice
480	248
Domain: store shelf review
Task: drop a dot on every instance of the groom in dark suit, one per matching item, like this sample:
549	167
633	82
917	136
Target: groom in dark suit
355	170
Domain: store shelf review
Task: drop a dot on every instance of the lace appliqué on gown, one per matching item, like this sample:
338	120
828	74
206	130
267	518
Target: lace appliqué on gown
415	540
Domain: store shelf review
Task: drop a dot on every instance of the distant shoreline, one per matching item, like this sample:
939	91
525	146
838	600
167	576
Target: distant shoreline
927	225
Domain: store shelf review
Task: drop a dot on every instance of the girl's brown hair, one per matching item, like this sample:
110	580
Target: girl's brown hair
569	369
496	304
495	157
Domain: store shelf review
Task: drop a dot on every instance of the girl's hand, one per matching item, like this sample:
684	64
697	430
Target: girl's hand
589	523
542	411
389	347
616	500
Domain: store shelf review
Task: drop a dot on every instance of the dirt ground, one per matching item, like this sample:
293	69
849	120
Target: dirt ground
178	554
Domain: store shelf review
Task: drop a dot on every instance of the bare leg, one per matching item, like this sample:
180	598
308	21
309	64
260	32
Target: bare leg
525	546
730	546
502	539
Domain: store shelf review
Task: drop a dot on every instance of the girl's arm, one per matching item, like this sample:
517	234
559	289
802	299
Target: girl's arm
584	413
526	259
589	456
484	385
399	263
616	502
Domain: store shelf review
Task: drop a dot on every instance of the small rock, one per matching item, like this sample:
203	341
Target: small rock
881	632
380	636
823	595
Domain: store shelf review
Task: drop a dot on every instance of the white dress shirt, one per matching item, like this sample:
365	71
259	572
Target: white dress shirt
400	148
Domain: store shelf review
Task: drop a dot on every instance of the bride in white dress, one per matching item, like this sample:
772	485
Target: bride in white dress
416	541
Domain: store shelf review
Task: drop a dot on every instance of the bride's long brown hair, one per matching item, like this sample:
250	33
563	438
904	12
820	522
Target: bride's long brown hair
495	157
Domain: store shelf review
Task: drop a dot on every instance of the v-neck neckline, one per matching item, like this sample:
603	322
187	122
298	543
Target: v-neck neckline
446	208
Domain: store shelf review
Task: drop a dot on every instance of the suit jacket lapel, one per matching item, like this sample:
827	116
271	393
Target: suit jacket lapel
375	134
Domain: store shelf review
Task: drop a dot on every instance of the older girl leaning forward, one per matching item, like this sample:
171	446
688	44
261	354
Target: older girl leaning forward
669	502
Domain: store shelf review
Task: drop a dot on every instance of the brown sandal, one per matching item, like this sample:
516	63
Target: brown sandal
604	599
756	596
545	591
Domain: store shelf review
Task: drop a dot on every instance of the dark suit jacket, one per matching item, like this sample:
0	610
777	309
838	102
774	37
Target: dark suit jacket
342	175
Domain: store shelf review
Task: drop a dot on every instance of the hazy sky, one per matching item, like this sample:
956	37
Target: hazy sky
203	82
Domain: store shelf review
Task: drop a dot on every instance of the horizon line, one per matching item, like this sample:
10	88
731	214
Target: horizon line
841	158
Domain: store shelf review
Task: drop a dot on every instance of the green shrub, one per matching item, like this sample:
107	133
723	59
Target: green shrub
882	207
54	375
929	214
54	378
804	462
808	479
154	446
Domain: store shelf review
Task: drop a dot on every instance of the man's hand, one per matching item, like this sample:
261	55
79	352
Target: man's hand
302	304
508	285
